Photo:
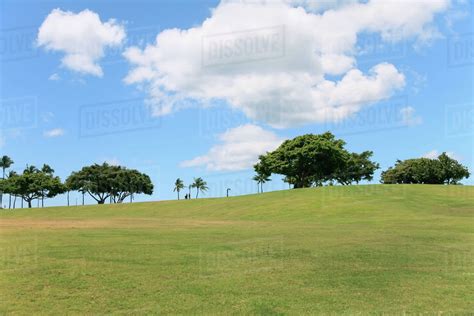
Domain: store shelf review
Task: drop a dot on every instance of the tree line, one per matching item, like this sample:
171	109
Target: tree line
304	161
101	182
316	160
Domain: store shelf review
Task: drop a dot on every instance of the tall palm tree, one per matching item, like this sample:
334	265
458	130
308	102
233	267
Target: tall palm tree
11	189
200	185
261	179
48	170
178	186
5	163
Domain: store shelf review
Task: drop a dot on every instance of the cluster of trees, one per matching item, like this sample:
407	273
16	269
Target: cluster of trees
315	160
101	182
443	170
304	161
30	185
199	184
105	181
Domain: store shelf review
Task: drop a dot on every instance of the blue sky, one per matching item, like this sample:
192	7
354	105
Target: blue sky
396	83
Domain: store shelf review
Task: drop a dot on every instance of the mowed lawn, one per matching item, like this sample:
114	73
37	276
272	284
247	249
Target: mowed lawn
390	249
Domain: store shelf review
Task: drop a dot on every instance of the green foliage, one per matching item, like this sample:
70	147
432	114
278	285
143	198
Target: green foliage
5	163
178	186
310	159
105	181
33	184
200	185
443	170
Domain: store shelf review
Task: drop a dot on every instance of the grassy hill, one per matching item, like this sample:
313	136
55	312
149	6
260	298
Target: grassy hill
360	249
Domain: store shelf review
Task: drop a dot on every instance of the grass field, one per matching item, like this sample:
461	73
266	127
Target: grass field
333	250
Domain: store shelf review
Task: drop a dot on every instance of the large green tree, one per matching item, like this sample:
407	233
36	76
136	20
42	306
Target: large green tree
311	159
452	171
33	184
357	168
104	181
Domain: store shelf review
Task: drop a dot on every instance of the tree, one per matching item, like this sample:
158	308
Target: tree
261	178
289	180
263	172
357	168
178	186
9	186
5	163
443	170
105	181
452	171
34	184
200	185
47	170
310	159
126	182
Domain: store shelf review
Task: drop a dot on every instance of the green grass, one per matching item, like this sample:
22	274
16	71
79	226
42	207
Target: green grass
334	250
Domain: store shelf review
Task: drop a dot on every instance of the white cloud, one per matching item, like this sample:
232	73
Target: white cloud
56	132
239	149
433	154
54	77
409	118
272	60
82	37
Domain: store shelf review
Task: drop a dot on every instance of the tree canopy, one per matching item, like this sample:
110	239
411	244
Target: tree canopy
105	181
311	159
442	170
33	184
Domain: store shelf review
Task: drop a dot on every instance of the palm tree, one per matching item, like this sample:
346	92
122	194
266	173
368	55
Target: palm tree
178	186
48	170
11	189
261	178
200	185
5	163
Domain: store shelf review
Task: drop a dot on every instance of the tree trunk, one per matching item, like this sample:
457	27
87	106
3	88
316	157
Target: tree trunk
67	198
29	204
14	202
178	195
197	193
9	201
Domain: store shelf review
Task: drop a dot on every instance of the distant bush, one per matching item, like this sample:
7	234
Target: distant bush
443	170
